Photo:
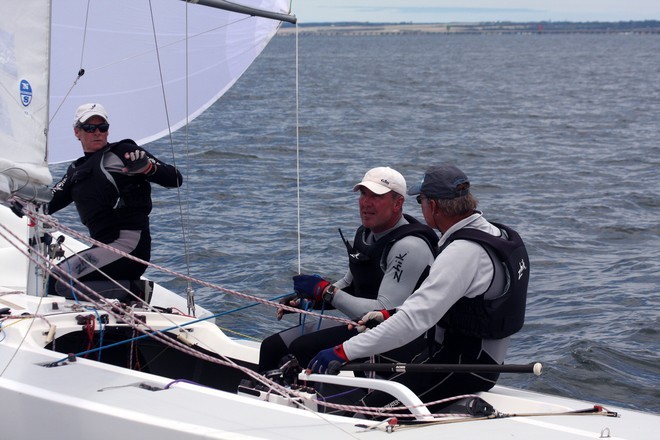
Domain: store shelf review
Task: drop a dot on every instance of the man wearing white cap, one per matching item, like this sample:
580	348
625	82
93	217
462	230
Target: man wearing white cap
111	188
389	258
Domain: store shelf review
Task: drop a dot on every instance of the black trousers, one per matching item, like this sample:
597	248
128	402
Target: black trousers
302	341
304	344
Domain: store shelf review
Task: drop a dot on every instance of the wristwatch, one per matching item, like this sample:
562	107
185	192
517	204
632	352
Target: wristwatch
329	294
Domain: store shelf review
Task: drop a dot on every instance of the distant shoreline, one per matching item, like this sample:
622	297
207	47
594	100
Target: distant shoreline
365	29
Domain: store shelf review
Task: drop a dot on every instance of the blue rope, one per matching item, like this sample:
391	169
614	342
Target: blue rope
248	306
73	292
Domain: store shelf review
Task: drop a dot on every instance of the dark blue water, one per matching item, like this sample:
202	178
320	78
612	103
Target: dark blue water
559	135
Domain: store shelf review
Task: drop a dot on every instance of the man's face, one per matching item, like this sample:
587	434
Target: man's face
95	140
379	212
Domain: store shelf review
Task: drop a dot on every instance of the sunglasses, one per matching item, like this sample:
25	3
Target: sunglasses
91	128
419	199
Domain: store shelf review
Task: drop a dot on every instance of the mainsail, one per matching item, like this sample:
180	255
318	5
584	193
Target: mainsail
155	65
23	96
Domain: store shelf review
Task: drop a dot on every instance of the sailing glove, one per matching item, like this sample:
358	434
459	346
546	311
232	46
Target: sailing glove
372	319
310	286
328	361
137	162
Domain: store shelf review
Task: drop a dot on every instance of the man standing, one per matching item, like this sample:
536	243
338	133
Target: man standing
111	188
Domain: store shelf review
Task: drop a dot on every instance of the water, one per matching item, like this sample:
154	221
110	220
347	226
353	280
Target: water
558	133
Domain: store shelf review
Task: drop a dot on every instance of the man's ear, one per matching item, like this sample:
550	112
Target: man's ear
434	205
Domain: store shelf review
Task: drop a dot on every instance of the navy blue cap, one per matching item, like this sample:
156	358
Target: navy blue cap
442	182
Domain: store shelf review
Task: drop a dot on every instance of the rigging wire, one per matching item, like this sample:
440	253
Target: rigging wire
127	316
54	223
184	214
186	252
190	296
298	151
81	70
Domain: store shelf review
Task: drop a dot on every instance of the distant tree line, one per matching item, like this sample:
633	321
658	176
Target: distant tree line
645	26
568	26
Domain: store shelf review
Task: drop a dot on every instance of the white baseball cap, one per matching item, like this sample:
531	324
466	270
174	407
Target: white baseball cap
86	111
383	179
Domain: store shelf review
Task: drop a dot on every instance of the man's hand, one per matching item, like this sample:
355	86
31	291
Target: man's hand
291	301
310	286
138	163
328	361
371	320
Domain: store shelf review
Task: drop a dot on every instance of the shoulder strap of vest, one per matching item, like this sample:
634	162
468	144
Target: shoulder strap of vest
510	235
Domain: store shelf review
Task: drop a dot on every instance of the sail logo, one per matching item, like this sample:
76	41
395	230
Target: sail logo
26	93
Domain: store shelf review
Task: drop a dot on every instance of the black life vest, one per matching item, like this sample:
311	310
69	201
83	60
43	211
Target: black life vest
367	262
504	314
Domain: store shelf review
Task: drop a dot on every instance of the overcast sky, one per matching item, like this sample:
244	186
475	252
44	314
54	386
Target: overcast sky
443	11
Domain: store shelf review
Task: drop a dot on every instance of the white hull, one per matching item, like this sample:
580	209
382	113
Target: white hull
90	399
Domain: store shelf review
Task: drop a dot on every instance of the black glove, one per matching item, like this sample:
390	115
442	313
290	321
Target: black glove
137	163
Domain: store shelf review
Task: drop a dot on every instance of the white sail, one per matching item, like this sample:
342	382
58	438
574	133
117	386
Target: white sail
148	83
23	96
155	65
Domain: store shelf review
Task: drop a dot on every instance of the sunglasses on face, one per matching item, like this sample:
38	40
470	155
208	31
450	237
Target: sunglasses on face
91	128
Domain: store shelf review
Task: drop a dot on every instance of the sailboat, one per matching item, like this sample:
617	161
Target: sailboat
97	368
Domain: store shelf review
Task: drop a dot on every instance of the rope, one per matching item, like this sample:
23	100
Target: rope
55	224
129	318
126	316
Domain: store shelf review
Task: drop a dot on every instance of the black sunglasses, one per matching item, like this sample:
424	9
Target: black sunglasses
91	128
419	199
